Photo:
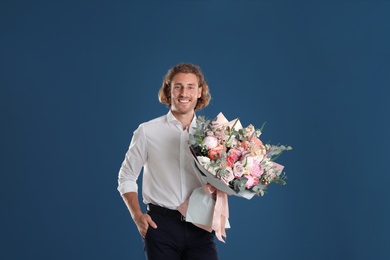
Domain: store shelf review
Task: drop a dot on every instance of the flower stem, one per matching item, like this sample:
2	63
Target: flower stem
232	130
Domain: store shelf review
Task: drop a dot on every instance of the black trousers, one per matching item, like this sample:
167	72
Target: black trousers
175	239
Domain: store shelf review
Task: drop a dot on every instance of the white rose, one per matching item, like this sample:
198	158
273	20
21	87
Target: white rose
248	162
204	161
259	157
213	170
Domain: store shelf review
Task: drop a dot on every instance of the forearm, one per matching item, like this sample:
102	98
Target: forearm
140	219
132	203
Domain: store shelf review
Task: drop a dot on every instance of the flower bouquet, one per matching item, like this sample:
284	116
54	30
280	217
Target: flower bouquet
234	159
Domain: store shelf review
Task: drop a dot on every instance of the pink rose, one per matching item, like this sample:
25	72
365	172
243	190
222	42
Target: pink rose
252	181
256	169
230	161
228	176
238	169
233	156
235	153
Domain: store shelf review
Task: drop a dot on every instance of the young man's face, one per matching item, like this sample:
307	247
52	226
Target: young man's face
185	92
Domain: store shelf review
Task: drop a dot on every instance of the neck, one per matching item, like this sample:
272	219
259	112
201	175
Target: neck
184	119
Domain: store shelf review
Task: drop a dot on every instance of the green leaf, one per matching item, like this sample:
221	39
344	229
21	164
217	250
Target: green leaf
262	126
239	184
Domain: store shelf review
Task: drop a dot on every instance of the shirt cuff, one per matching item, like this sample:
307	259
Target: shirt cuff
127	186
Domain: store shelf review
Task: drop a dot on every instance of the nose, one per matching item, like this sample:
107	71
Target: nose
183	91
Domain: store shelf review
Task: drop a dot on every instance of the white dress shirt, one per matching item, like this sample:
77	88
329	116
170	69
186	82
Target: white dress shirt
169	175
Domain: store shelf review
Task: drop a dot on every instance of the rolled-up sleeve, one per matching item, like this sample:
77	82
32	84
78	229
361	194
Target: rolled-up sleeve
135	159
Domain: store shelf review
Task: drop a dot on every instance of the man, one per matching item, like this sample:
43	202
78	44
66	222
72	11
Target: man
161	147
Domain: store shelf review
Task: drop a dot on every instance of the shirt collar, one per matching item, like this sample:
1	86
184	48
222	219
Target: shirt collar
172	118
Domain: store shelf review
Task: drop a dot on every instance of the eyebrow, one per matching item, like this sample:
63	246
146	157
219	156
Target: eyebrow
181	84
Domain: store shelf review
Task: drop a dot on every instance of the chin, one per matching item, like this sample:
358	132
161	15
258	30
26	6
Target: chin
183	111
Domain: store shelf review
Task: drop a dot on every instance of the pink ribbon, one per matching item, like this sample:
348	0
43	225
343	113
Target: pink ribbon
221	211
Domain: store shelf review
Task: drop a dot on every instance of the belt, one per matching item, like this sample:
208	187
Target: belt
166	212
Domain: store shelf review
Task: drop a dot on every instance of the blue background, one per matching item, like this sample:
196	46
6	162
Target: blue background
78	77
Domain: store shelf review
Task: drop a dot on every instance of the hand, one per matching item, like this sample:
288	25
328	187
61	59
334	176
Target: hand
143	221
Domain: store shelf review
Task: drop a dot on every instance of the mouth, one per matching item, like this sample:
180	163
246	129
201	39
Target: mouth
184	101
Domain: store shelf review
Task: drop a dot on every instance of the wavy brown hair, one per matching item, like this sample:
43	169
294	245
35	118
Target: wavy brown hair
164	94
